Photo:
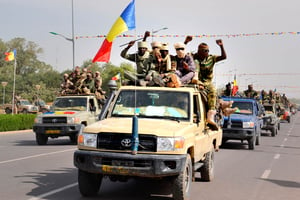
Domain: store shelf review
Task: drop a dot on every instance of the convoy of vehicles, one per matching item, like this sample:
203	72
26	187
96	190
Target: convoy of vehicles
67	117
148	132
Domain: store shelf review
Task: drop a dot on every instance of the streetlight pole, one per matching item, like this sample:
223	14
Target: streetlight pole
69	39
164	28
3	85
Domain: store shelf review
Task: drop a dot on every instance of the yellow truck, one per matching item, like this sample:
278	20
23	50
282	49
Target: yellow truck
148	132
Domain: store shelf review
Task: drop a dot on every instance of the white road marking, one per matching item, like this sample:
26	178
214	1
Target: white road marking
53	192
277	156
35	156
285	139
266	174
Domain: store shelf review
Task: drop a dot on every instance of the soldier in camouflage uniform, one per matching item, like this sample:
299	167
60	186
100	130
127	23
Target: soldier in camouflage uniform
205	62
250	92
141	60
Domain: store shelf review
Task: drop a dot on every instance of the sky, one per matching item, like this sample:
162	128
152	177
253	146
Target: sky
256	51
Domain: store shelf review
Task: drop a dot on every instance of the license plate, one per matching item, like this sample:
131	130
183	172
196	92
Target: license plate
124	163
52	131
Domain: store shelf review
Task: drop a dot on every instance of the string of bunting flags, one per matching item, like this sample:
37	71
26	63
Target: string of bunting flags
196	36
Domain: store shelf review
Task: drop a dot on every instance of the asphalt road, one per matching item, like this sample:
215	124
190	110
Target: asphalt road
270	172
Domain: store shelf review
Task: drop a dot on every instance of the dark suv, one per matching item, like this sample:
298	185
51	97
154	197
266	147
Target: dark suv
245	123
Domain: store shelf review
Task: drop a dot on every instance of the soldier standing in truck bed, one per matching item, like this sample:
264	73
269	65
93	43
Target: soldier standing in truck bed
206	63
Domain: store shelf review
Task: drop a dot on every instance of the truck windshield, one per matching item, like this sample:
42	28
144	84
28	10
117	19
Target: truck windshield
153	104
77	104
24	102
245	108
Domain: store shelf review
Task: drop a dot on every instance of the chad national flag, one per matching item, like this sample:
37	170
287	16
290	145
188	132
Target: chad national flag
124	23
10	56
235	87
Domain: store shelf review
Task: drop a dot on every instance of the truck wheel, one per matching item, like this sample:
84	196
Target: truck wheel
73	138
182	182
288	119
89	183
41	139
257	141
251	142
8	111
24	111
273	131
207	169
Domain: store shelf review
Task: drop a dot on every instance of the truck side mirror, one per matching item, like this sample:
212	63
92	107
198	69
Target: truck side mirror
93	109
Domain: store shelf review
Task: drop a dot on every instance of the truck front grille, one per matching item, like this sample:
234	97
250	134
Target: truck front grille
54	120
233	124
121	141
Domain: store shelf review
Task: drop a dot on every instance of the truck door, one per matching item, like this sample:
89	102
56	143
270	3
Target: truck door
201	137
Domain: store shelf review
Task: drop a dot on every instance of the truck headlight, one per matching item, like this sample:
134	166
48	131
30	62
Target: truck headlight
73	120
87	139
38	120
248	124
169	144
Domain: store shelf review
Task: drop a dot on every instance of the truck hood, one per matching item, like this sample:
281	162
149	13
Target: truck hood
145	126
239	117
61	114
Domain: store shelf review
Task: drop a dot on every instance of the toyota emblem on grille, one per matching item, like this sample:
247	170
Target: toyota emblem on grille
54	120
126	142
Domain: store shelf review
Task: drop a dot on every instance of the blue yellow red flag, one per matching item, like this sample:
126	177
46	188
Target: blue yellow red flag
10	56
125	22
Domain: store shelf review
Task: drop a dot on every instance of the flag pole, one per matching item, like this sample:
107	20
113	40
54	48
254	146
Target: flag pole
14	86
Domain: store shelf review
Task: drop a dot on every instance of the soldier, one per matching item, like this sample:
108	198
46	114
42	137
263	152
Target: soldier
160	64
66	85
88	84
250	92
100	93
228	90
206	62
141	60
98	77
183	63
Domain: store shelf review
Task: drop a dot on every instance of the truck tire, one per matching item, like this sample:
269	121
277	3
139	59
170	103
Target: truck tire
41	139
207	169
74	138
89	183
182	183
251	142
278	125
24	111
8	111
257	141
288	119
273	131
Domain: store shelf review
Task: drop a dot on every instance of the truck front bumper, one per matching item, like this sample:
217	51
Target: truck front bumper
57	129
126	164
238	133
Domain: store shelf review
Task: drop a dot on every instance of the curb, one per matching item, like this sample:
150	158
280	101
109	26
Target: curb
19	131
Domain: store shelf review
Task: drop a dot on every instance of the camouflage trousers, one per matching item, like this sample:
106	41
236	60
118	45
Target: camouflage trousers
211	95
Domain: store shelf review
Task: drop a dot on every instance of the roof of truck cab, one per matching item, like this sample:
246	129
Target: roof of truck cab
180	89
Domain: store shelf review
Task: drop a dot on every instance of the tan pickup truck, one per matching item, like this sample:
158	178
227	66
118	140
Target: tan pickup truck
68	115
148	132
21	106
